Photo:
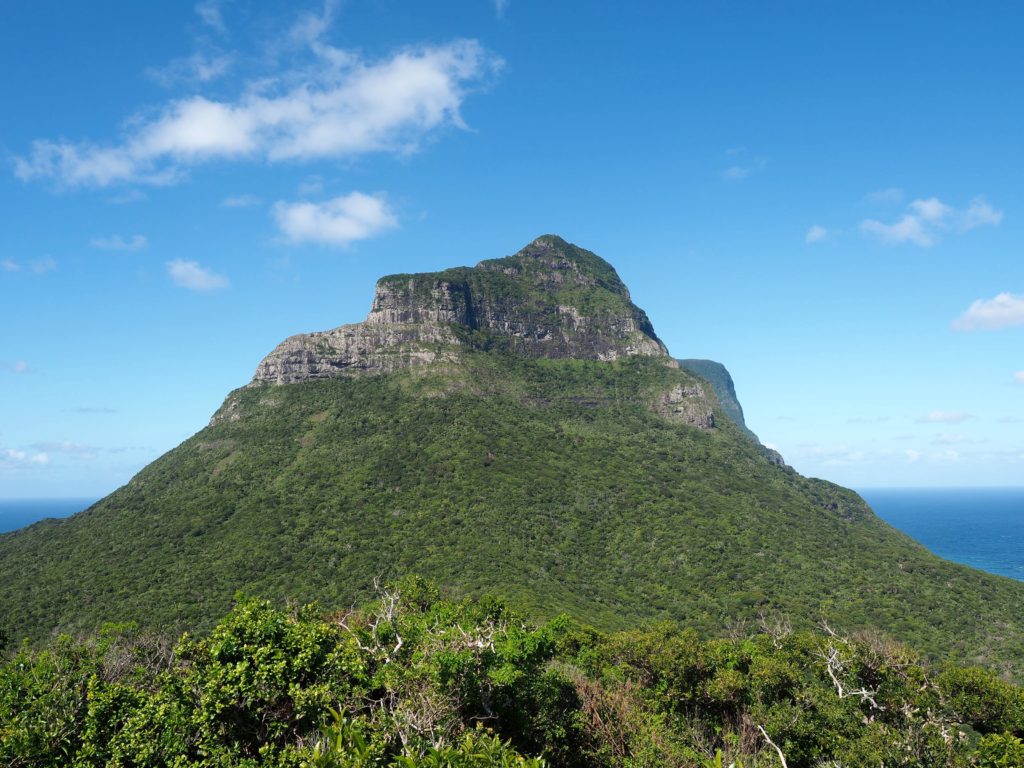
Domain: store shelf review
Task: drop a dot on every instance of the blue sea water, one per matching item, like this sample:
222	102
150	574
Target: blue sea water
980	527
16	513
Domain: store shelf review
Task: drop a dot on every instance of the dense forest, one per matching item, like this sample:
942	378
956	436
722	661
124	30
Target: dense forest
556	484
410	679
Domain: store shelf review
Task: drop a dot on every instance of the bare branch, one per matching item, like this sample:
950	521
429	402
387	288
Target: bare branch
773	745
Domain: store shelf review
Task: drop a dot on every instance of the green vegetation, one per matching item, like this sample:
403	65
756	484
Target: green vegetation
552	483
411	681
718	377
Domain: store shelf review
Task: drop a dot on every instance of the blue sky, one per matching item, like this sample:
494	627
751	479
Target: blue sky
824	196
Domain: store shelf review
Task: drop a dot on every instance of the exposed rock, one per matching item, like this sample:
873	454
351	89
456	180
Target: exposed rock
551	299
689	405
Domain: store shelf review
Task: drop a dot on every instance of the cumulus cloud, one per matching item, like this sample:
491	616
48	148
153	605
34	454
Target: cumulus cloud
191	275
925	220
945	417
119	243
1005	310
341	105
339	221
816	234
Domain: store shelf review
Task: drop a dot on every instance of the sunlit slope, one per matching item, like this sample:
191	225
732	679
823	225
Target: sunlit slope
560	484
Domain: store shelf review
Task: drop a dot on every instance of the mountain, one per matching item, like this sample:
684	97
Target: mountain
518	428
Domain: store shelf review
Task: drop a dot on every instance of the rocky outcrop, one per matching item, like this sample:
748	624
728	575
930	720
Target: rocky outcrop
551	299
689	405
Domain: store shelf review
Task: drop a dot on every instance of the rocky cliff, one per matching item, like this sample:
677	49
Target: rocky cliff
551	300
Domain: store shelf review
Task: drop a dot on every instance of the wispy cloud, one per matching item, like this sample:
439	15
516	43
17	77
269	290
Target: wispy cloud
339	105
66	447
945	417
340	221
1018	377
816	234
925	220
14	458
42	266
1005	310
741	171
240	201
889	195
35	266
191	275
119	243
209	12
311	185
18	367
195	69
500	6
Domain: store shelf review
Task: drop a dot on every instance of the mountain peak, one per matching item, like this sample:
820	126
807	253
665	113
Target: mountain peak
551	299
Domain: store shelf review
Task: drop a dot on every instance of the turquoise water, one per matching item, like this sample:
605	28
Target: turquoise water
980	527
15	513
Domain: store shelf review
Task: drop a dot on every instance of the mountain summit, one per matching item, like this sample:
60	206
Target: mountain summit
515	428
552	299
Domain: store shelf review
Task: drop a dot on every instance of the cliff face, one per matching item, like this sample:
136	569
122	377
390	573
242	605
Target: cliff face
550	300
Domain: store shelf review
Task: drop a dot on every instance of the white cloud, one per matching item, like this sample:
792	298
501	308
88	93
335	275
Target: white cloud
189	274
194	69
500	6
43	265
20	366
340	106
340	221
36	266
311	185
926	219
911	454
209	13
816	234
118	243
1019	377
12	458
932	210
945	417
240	201
980	214
1005	310
742	171
909	229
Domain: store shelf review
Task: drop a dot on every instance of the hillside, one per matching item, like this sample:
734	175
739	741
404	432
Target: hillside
515	428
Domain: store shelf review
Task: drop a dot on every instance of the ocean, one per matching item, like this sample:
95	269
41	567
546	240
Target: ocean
980	527
16	513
